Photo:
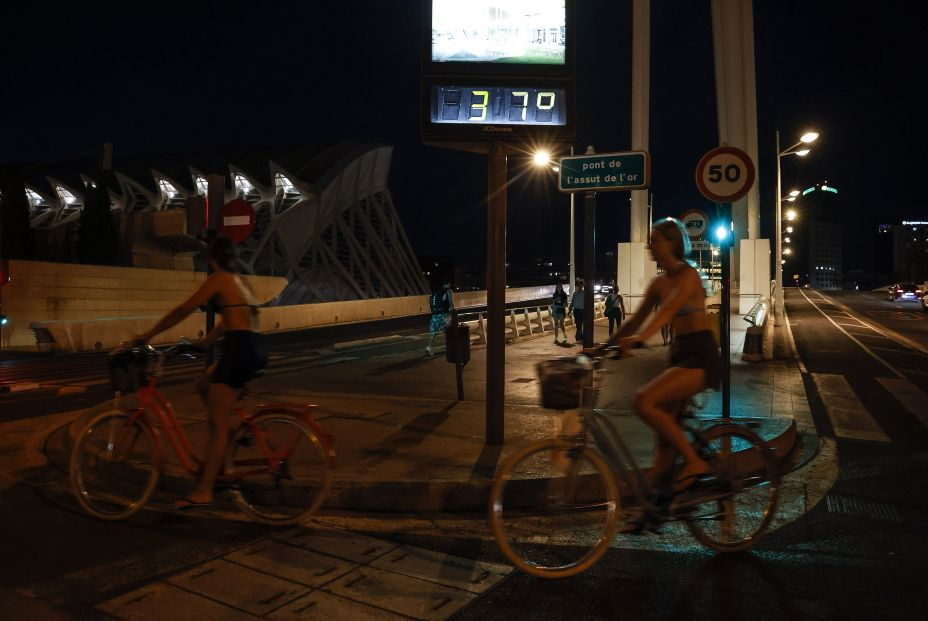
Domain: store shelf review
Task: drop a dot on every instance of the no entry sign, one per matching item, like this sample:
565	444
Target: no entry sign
237	220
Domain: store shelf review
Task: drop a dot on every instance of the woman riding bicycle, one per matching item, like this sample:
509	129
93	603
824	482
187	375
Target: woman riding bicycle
694	358
243	354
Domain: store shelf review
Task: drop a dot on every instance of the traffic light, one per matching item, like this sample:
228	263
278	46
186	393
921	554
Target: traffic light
722	226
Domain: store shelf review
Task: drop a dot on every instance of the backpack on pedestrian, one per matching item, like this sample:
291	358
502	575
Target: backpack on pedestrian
611	309
439	302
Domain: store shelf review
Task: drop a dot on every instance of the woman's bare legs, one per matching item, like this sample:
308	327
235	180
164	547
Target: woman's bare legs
655	404
221	401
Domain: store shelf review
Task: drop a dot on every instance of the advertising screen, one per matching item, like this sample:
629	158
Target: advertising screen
527	32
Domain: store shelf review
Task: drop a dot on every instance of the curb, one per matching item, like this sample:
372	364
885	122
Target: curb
18	387
410	496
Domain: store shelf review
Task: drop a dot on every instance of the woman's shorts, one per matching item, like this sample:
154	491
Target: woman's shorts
243	354
697	350
439	322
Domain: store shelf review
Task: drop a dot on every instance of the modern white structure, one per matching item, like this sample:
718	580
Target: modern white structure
324	216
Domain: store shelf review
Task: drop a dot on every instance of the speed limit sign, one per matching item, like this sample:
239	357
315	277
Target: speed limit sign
725	174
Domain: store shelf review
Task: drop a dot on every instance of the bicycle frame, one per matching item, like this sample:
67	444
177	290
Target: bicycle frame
595	424
153	400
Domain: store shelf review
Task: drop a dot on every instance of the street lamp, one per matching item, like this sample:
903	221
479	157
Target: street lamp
806	138
543	159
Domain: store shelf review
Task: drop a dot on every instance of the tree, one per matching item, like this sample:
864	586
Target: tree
17	239
98	243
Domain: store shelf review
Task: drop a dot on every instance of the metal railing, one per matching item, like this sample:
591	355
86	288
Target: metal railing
521	322
758	313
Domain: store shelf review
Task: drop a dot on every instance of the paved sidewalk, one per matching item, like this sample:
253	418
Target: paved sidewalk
405	443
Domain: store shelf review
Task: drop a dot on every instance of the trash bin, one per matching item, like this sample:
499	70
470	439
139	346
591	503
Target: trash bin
715	322
457	344
753	344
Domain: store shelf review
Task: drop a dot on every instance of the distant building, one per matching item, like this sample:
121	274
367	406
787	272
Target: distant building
813	253
537	271
324	215
902	251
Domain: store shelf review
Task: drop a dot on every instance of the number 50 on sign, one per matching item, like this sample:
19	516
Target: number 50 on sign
725	174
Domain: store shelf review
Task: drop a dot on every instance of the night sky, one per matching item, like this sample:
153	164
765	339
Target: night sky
176	78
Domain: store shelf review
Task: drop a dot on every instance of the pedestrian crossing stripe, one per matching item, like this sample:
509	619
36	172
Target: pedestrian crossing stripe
849	418
909	395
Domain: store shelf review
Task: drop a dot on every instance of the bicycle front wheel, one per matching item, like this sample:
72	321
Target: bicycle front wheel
554	508
736	515
114	466
280	469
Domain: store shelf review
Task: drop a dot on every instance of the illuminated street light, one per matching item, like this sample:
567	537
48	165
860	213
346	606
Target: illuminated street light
789	229
787	251
794	193
543	158
786	239
806	138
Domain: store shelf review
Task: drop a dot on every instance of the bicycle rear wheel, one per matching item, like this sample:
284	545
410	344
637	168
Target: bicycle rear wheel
114	465
736	514
554	508
280	469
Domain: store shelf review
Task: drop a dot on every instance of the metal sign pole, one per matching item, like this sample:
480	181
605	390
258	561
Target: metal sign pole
215	198
589	264
496	294
725	314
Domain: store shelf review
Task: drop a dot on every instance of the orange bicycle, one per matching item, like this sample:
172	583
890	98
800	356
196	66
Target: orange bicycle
278	467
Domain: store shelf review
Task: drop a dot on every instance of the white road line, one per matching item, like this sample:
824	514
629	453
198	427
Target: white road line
848	415
902	340
853	338
792	344
909	395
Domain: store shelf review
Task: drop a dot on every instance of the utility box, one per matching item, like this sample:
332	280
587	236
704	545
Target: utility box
712	314
457	344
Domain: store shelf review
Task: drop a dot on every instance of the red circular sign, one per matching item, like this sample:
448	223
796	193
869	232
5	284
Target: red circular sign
725	174
237	220
695	222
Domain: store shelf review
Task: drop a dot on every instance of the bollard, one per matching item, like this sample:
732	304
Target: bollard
457	350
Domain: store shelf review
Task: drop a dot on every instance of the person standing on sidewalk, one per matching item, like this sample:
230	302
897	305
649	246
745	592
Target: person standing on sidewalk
576	309
442	305
615	309
559	311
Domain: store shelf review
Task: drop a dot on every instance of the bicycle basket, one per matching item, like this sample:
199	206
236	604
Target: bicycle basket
562	381
131	367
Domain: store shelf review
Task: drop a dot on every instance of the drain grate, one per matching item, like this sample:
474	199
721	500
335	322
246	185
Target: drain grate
866	508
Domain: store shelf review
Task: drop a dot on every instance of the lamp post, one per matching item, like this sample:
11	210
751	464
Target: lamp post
806	138
542	158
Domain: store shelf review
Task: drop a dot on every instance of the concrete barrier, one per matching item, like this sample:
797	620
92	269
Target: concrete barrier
103	334
42	292
753	350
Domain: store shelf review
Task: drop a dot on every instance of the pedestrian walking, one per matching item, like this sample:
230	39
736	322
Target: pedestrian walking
559	311
576	309
615	309
442	305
